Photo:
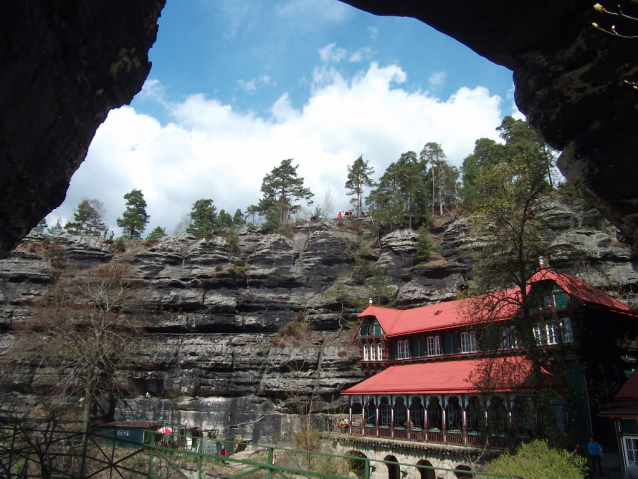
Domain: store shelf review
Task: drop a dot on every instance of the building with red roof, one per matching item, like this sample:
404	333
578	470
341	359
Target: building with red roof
425	367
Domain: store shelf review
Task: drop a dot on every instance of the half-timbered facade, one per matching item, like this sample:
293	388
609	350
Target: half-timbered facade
419	364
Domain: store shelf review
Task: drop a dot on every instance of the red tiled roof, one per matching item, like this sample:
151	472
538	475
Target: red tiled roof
580	289
439	378
396	322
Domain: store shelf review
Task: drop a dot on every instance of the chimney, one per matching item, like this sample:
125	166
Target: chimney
370	301
542	262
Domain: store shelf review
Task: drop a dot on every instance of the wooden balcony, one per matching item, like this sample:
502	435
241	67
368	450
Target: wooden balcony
473	439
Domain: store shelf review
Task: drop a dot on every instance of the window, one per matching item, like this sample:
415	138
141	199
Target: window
454	414
371	330
373	352
400	353
552	332
434	414
468	342
566	330
631	449
406	349
365	351
384	412
400	418
475	414
539	334
380	351
434	346
416	412
559	413
509	340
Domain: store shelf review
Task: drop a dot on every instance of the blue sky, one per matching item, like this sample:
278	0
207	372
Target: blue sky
238	85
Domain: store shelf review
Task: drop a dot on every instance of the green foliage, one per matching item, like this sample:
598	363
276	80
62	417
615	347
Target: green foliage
203	219
238	219
224	220
232	242
521	142
41	225
87	220
538	461
134	219
444	176
379	287
119	245
282	188
423	246
157	233
358	177
56	229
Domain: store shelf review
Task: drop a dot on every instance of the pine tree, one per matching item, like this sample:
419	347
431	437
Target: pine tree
203	219
56	229
281	189
238	219
41	226
157	233
87	220
224	220
358	177
134	219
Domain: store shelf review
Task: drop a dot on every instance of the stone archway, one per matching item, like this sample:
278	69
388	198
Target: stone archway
357	464
463	472
394	471
426	473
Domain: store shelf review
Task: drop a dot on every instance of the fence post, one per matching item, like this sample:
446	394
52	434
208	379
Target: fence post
151	450
366	472
199	467
270	453
84	447
13	441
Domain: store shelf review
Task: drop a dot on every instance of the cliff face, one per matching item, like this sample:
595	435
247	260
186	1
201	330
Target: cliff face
226	346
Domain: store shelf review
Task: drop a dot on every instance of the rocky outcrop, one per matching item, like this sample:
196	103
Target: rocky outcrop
239	324
63	66
570	78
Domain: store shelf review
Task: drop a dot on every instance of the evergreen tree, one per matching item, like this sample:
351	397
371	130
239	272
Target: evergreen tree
281	189
56	229
444	176
134	219
224	220
203	219
238	219
87	220
41	226
252	211
157	233
358	177
410	177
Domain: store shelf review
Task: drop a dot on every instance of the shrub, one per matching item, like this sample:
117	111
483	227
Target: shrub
423	246
537	460
119	245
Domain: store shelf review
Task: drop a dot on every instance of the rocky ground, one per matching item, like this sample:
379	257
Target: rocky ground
239	325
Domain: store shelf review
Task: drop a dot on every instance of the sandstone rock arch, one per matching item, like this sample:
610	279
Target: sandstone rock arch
64	64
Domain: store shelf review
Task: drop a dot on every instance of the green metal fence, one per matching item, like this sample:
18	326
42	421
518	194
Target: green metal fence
57	453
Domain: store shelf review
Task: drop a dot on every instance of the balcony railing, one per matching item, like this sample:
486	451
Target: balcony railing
475	439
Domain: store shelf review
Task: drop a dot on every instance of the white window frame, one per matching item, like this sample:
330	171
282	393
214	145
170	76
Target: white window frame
465	343
434	346
552	332
509	340
373	352
380	351
630	449
567	333
539	334
400	350
406	349
365	351
473	342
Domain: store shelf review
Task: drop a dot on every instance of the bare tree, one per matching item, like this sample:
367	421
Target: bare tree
83	328
183	224
328	206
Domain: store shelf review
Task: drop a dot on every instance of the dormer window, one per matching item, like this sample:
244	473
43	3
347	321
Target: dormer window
371	330
434	346
365	351
380	351
373	352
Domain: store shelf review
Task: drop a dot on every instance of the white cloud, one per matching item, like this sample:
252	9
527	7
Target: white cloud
153	90
373	31
331	53
437	78
251	86
363	53
212	151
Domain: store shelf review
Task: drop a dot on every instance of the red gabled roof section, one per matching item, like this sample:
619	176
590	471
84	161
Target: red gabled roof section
580	289
629	392
396	322
442	378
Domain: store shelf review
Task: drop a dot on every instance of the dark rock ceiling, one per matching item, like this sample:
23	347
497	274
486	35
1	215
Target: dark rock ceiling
64	64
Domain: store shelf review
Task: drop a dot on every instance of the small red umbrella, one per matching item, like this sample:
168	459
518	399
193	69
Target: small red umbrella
165	430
